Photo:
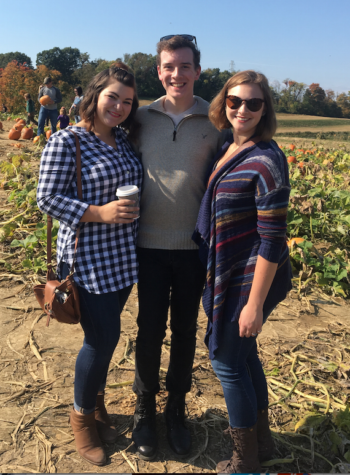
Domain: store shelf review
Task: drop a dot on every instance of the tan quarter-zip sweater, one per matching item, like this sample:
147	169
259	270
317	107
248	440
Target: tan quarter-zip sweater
175	162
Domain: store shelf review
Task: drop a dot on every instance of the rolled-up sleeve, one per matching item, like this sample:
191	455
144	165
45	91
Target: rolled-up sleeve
272	209
57	191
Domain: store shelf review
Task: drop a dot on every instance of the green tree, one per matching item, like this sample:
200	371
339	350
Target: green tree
66	61
343	101
145	70
21	58
290	98
210	82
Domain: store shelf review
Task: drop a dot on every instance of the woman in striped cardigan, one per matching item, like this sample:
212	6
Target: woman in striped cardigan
241	232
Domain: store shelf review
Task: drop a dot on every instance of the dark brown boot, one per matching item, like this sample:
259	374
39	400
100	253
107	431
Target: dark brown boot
104	425
87	441
245	453
265	440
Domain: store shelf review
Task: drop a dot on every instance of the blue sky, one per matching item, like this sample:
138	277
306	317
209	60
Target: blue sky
303	40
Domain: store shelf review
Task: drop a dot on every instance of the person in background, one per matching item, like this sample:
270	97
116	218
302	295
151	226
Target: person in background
63	118
75	106
106	263
30	109
177	142
4	108
50	110
241	233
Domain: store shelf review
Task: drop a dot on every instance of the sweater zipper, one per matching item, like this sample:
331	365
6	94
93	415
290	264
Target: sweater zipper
181	121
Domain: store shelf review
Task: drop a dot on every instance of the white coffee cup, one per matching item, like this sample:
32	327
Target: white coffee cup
129	192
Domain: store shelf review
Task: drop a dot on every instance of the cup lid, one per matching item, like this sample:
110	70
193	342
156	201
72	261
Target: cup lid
127	190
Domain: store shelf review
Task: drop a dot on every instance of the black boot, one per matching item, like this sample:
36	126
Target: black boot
179	436
144	431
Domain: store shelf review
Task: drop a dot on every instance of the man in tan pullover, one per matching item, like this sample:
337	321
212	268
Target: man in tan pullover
177	143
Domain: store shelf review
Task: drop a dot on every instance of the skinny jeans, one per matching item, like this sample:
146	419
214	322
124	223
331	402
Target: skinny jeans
100	320
237	365
167	279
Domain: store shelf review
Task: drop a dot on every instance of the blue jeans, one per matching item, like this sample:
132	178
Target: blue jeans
77	118
52	114
100	320
237	365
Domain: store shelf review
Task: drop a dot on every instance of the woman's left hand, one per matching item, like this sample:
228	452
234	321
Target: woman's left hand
250	321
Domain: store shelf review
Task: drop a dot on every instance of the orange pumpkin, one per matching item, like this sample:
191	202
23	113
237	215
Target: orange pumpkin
48	134
294	241
9	118
45	100
14	133
19	126
301	165
291	146
70	123
291	159
18	118
27	133
22	121
36	139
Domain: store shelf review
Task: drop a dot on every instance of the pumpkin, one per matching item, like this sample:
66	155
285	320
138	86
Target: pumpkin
70	123
48	134
19	126
22	121
18	118
36	139
9	118
27	133
45	100
0	125
295	241
301	165
291	159
291	147
14	133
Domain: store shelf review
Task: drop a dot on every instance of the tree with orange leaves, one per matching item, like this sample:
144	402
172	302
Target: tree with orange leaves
17	79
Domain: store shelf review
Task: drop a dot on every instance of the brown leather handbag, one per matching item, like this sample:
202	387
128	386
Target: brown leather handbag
60	300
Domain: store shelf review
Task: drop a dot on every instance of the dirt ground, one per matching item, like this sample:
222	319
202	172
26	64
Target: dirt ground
37	376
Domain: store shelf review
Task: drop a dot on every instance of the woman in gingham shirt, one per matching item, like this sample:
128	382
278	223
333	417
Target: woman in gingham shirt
106	265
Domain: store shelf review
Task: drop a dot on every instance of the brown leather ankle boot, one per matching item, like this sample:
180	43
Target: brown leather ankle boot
105	428
87	441
265	440
245	453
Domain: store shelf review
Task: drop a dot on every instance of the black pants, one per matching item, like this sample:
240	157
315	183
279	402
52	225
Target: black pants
30	118
172	278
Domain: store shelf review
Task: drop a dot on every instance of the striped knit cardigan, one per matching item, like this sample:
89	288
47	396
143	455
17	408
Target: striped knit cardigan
243	214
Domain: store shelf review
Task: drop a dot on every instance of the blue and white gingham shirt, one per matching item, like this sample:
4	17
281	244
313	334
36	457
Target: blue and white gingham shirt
106	253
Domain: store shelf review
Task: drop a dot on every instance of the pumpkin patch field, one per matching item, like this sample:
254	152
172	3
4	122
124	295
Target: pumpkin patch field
304	345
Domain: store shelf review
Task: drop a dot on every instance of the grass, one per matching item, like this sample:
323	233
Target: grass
314	123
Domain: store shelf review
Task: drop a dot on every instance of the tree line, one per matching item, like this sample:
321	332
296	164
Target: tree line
70	68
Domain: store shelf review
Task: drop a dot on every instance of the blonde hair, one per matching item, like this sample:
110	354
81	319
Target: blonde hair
267	126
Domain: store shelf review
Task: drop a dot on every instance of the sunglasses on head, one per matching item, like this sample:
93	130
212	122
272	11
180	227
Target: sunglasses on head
125	71
234	102
187	37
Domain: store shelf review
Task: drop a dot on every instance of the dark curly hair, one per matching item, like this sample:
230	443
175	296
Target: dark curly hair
88	106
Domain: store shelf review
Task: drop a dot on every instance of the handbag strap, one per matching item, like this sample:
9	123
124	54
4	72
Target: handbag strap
49	218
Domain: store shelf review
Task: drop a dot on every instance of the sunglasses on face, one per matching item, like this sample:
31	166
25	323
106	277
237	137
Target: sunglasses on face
234	102
187	37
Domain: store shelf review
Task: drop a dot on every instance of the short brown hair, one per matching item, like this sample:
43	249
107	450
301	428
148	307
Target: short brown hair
121	73
64	110
267	126
27	96
177	42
